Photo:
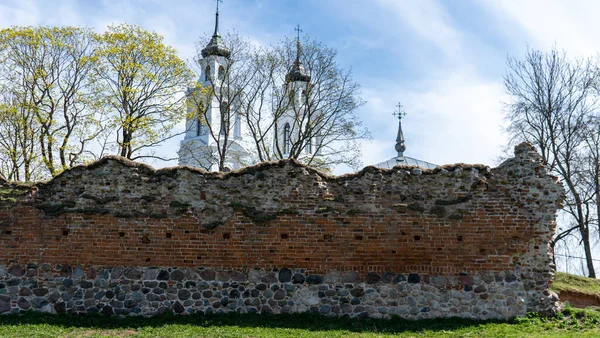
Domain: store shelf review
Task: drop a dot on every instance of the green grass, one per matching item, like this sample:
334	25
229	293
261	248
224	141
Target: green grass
567	282
571	323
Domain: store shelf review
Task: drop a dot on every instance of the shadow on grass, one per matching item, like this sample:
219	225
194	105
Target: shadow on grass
310	322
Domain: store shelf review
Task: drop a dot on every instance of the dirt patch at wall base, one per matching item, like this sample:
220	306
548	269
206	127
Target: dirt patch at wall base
579	299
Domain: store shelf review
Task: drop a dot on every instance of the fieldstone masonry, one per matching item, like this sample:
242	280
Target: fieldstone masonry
119	237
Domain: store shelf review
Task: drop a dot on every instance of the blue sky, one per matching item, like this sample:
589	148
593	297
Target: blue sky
444	60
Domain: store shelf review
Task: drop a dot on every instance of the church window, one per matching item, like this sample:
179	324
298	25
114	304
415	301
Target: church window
221	73
237	127
207	73
286	138
309	146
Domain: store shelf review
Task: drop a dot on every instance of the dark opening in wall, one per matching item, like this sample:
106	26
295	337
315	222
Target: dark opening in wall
358	237
272	250
482	250
394	252
7	232
198	257
169	235
459	238
65	232
226	235
121	234
284	236
417	238
147	259
187	231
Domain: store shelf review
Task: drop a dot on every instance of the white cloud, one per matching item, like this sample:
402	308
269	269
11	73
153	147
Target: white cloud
26	13
570	25
429	20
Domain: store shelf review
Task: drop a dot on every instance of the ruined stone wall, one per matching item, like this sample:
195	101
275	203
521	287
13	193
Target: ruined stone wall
119	237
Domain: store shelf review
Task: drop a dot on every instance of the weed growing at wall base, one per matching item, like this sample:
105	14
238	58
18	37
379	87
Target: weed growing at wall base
570	323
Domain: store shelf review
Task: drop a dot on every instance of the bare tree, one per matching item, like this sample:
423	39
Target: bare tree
324	126
552	100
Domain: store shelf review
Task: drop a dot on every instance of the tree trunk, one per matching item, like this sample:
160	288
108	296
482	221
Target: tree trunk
585	238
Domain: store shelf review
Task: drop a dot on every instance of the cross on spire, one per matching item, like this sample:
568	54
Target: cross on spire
400	113
297	29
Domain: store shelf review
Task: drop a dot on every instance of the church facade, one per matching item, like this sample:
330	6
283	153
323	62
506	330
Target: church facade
215	120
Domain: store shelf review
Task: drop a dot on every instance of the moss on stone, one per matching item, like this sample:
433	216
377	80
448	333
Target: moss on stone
416	207
256	216
179	205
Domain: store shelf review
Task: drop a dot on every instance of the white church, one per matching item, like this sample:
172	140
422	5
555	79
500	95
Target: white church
204	138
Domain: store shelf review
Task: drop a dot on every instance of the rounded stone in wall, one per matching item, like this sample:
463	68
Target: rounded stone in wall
4	303
285	275
23	303
184	294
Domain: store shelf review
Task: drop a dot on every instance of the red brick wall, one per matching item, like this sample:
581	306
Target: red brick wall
446	221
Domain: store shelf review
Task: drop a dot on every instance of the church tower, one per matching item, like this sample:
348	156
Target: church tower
291	126
210	114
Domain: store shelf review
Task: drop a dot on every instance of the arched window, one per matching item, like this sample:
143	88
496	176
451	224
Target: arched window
309	146
237	126
221	72
207	73
286	138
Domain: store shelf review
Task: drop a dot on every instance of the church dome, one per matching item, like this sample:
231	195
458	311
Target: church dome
297	72
216	46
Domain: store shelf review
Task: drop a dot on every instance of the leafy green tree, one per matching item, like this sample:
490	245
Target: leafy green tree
144	82
45	75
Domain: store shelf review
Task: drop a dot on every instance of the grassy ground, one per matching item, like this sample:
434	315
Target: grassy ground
571	323
567	282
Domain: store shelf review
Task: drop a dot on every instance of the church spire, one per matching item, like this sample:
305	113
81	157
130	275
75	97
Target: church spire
216	33
400	146
216	46
297	72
